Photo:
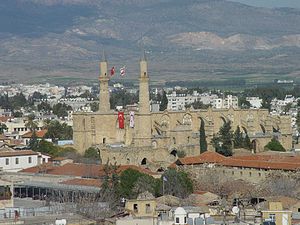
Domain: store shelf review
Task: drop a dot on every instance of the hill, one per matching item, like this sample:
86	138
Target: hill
42	40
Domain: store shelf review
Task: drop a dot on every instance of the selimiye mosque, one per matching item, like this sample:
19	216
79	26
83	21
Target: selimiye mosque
154	138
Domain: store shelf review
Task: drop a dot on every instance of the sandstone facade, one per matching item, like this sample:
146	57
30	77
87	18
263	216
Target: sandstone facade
156	137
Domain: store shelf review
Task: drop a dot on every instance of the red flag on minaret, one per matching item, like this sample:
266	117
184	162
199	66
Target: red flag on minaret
112	71
121	120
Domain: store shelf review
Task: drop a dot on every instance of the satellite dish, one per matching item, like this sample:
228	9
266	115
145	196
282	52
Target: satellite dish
235	209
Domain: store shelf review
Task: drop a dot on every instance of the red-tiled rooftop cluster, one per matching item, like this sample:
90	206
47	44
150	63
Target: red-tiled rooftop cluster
81	170
274	162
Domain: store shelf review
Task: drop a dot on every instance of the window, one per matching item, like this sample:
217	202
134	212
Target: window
259	174
174	140
7	161
148	208
250	174
135	208
272	217
17	160
241	173
177	220
29	159
184	219
232	172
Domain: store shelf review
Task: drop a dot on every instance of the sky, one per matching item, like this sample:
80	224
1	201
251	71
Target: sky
271	3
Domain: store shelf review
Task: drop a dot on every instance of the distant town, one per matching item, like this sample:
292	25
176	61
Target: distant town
79	154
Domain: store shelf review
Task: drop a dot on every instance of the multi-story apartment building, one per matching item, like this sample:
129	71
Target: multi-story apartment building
226	103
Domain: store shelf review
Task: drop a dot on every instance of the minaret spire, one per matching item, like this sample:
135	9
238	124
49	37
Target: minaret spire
144	58
104	105
142	135
144	86
103	56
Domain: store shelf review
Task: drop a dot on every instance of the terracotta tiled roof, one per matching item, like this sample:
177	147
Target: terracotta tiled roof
206	157
83	170
59	158
276	162
17	153
83	182
39	134
4	119
3	137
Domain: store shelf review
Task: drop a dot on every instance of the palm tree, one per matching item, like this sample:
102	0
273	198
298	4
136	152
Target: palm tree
31	124
46	124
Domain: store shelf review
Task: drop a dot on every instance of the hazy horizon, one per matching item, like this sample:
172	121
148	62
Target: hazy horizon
271	3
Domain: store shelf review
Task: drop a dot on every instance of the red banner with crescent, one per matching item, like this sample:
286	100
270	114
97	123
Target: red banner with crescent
121	120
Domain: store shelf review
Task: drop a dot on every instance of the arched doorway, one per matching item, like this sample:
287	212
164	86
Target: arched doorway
174	152
263	128
245	130
144	161
223	119
160	169
255	146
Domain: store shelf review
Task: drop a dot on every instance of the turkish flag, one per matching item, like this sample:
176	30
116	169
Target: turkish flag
112	71
121	120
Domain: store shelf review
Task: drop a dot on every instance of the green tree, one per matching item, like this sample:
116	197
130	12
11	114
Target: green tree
57	131
33	142
266	104
202	138
37	95
110	188
122	98
246	142
17	113
243	103
128	178
46	124
87	94
94	106
144	183
48	148
177	183
164	102
275	145
44	107
200	105
91	153
238	138
3	127
31	124
181	154
61	109
287	107
223	140
18	101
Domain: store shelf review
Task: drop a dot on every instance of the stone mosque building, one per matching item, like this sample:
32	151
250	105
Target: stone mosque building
154	138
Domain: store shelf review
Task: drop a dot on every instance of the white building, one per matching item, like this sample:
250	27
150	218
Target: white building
226	103
17	126
255	102
16	160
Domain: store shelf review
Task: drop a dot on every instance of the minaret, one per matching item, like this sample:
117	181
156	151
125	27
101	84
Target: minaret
142	129
104	105
144	103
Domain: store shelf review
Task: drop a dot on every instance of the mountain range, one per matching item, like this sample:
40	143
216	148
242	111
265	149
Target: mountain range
62	40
